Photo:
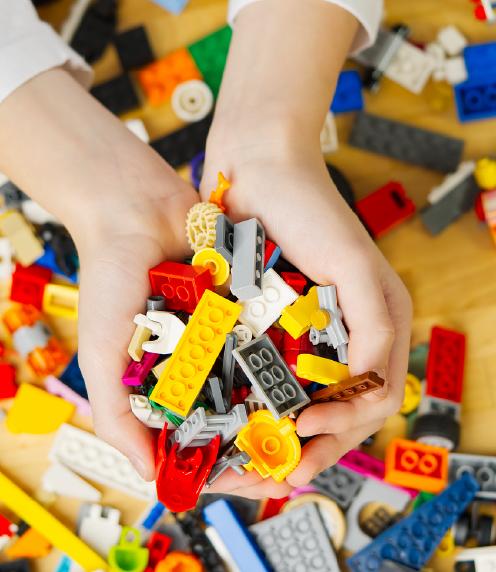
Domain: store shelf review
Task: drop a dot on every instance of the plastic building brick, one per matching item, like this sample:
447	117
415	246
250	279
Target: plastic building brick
181	146
475	559
73	378
214	261
174	6
385	209
18	316
296	319
452	40
8	386
363	463
296	539
37	412
92	458
451	181
378	57
485	173
195	354
181	475
192	100
117	95
151	517
210	54
25	244
412	464
224	237
291	349
436	217
128	555
137	371
31	544
228	366
474	98
158	545
61	300
5	259
445	364
215	388
201	225
406	143
296	280
413	394
413	540
53	530
339	483
261	312
330	317
28	284
372	491
270	376
141	408
20	565
350	388
181	285
272	252
234	462
140	335
27	338
481	467
199	428
90	28
159	79
176	560
169	331
217	195
99	527
62	481
378	521
234	535
348	93
440	406
410	67
56	387
248	259
272	445
322	370
133	48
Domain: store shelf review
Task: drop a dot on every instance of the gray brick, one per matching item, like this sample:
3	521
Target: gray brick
296	540
406	143
482	467
270	376
339	483
248	259
224	237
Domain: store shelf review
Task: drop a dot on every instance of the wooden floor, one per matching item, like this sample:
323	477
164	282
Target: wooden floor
452	278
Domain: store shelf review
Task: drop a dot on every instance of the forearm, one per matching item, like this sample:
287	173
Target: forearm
72	156
282	68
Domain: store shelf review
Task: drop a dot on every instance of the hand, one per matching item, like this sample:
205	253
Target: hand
113	289
287	187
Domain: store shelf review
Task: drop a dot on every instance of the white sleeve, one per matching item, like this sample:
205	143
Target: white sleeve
367	12
29	47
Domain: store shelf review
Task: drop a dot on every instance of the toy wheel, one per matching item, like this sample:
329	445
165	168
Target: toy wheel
437	429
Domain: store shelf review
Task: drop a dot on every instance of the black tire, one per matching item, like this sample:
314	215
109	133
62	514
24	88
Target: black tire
437	425
461	530
484	530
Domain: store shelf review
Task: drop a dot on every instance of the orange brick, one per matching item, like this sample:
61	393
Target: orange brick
159	79
30	545
417	466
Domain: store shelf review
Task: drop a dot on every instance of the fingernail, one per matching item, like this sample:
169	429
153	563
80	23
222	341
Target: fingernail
141	467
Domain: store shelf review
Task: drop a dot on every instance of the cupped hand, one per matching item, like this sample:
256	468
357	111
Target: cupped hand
134	236
289	190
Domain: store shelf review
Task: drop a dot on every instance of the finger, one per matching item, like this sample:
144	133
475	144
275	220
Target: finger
326	450
109	299
266	489
250	485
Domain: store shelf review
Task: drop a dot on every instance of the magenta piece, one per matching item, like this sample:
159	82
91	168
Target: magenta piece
137	371
56	387
369	466
302	490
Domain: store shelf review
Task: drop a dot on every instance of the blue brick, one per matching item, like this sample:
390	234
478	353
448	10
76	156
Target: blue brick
73	377
348	95
480	59
48	261
476	98
153	516
64	565
273	259
174	6
235	537
413	540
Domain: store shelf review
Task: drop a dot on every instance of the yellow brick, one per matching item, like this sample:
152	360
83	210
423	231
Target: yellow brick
296	319
187	369
140	336
61	300
321	370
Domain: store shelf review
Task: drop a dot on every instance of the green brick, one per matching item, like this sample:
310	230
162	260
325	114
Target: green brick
210	54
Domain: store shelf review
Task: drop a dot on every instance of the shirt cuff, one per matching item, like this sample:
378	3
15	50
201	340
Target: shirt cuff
367	12
35	52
